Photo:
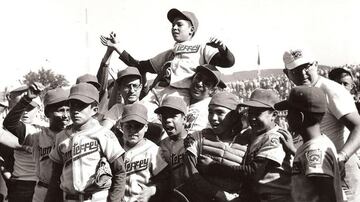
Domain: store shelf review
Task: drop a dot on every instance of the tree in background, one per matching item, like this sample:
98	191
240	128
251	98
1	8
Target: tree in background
47	77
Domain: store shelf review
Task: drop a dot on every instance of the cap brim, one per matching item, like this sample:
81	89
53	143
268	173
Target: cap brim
133	117
161	109
255	104
283	105
81	98
173	13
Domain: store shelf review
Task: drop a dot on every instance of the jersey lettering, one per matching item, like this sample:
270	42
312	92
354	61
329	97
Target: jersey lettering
44	152
89	146
136	166
186	49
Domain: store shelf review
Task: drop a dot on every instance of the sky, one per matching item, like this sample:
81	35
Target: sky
64	35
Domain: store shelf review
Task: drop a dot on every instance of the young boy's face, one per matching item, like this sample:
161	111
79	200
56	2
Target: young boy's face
201	85
59	117
133	132
81	112
261	120
181	30
219	119
173	122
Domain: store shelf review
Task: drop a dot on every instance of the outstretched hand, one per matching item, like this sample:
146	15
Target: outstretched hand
216	43
35	90
110	41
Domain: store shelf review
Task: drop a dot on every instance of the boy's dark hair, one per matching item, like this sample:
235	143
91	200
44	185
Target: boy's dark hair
337	73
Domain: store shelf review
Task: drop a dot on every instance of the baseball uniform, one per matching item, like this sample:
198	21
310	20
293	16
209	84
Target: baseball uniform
277	178
315	158
142	162
173	152
80	152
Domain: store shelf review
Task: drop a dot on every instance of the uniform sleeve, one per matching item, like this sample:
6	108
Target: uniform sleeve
55	152
272	149
318	162
110	146
192	143
159	60
158	163
208	53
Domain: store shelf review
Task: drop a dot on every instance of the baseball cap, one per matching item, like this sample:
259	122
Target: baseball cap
295	58
55	96
173	13
306	99
216	74
262	98
225	99
172	102
129	71
88	78
84	92
134	112
20	89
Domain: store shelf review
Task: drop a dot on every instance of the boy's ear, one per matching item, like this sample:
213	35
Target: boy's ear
302	116
95	109
192	31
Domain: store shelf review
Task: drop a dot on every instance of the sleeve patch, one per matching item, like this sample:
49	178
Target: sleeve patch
314	157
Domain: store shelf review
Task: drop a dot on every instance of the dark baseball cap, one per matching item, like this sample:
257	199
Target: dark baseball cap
212	70
129	71
56	95
134	112
84	92
305	99
172	102
225	99
88	78
174	13
262	98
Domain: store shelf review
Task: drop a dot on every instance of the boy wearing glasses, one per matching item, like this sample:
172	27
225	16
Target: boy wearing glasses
341	122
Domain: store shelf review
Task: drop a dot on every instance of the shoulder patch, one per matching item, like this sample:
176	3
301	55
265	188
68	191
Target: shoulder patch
314	157
274	141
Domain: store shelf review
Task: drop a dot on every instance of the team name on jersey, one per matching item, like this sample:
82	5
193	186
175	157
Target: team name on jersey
84	148
135	166
44	152
180	48
176	159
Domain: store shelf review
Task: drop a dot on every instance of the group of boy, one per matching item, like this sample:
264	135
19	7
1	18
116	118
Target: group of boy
197	159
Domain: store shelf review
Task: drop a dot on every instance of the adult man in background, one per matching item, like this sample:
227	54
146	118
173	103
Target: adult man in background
341	122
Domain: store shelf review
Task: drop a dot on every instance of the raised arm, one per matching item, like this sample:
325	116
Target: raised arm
224	58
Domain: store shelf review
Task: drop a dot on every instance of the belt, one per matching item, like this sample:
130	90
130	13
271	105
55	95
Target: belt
43	184
77	197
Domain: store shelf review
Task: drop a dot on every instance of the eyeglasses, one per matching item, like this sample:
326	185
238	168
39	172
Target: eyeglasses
305	67
134	86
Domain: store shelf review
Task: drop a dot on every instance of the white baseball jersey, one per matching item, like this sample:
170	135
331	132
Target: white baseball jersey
80	152
315	158
173	152
197	116
185	56
142	162
268	145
